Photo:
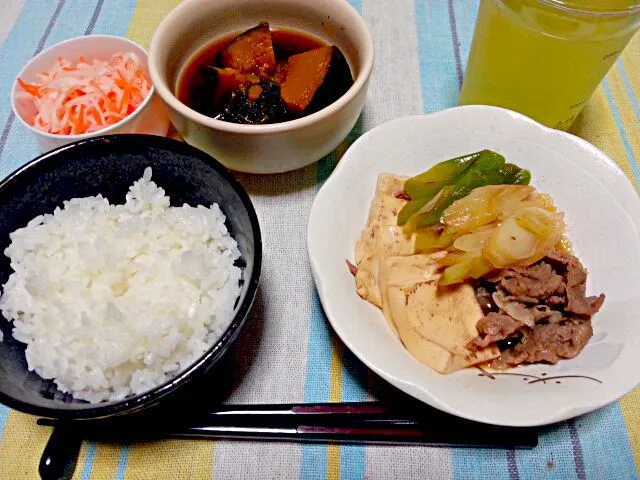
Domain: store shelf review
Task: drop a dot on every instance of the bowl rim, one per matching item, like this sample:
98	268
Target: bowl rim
322	280
366	58
151	397
81	136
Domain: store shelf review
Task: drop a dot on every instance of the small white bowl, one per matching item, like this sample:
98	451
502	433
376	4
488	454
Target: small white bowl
277	147
150	117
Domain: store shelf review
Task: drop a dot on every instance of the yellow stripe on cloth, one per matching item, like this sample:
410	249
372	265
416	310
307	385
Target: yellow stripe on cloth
21	446
105	462
630	406
626	111
170	460
597	125
146	17
335	395
630	403
631	64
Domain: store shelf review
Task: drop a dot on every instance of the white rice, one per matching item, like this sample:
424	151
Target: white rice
113	300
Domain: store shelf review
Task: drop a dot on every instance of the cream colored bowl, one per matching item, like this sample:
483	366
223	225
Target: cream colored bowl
277	147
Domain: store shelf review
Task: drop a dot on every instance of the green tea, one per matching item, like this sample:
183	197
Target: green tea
541	60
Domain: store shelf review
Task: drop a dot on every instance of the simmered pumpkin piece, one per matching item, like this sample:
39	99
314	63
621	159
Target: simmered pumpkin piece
254	92
251	51
313	75
225	81
280	74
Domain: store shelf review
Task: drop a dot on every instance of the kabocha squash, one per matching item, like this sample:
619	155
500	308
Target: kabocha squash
314	78
305	73
225	81
260	76
251	52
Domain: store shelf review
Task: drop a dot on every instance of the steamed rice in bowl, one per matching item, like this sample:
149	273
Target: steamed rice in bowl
114	300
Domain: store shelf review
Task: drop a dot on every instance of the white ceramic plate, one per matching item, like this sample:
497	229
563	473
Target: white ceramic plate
602	211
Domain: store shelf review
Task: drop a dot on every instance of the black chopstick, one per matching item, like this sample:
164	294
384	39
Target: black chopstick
360	422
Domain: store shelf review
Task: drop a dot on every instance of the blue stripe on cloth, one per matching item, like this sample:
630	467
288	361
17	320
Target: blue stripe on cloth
122	463
354	389
455	43
472	464
552	458
606	451
318	378
438	73
88	461
4	413
629	88
115	17
30	29
319	351
20	146
75	18
465	14
623	134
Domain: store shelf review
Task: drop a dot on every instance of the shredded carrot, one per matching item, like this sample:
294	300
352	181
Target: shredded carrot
87	96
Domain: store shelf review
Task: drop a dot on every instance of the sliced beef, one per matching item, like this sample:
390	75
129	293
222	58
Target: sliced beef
531	283
547	343
575	280
556	300
484	297
517	310
556	258
542	310
577	301
542	313
581	305
526	313
493	328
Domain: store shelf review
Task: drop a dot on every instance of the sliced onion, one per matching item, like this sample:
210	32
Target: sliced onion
524	238
472	265
485	205
473	242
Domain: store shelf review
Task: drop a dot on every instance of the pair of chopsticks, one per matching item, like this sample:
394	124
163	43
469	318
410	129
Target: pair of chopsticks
340	422
359	422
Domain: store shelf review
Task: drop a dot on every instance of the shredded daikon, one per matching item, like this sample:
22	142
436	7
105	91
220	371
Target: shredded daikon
88	96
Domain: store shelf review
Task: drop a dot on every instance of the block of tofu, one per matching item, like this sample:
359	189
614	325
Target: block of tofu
381	237
404	271
386	242
383	241
446	314
386	204
414	337
367	281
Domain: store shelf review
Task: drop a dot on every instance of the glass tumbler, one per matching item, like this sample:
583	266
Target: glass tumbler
544	58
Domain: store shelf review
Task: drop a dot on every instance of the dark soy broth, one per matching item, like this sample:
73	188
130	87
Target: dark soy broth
193	88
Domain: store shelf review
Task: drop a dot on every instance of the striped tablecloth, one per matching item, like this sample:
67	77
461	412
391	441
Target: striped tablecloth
289	353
